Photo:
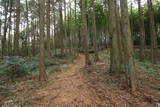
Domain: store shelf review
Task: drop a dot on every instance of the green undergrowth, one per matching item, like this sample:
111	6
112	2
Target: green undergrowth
152	70
146	66
104	56
14	67
18	69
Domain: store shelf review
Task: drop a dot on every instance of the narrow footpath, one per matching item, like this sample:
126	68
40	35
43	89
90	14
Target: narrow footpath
68	89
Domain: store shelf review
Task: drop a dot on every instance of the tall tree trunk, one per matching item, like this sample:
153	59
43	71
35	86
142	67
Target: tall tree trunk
48	28
10	28
128	46
120	39
27	31
115	56
16	36
142	31
84	33
132	21
75	28
70	31
33	37
4	43
0	37
154	48
42	73
94	30
65	23
54	23
61	27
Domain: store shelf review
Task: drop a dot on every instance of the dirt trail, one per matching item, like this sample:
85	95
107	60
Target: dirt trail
67	90
78	86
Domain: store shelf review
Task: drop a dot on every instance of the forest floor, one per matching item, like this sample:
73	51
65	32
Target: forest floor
93	86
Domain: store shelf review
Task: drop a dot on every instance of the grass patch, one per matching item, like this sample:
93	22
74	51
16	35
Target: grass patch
148	67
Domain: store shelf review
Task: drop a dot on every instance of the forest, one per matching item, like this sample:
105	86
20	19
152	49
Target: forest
79	53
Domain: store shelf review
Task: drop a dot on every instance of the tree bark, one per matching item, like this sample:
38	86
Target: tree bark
132	21
42	73
115	54
94	30
128	46
16	36
61	27
0	36
154	47
33	37
120	39
4	43
84	33
10	28
27	31
142	31
48	27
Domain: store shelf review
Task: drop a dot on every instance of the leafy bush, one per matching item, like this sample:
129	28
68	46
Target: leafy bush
31	66
13	67
16	66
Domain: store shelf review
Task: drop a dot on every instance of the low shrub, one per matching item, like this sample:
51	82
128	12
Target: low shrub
13	67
